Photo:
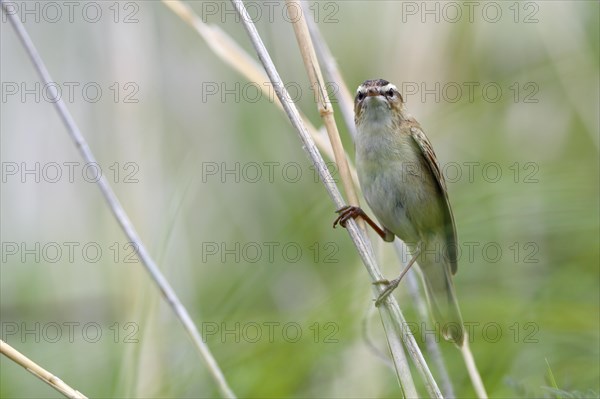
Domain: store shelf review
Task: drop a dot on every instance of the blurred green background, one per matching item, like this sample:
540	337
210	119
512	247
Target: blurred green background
220	190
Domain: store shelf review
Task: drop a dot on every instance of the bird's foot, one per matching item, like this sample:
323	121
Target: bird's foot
391	286
346	213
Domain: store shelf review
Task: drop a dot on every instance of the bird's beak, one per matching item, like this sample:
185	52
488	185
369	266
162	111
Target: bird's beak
373	93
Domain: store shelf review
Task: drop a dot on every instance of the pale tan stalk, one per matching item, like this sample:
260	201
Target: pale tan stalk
472	369
39	372
322	99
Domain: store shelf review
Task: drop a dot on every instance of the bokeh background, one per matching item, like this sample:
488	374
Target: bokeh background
220	190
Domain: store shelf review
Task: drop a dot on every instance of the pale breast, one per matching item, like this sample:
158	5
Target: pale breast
397	184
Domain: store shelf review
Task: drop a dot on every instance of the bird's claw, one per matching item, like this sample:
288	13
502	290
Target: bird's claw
391	286
346	213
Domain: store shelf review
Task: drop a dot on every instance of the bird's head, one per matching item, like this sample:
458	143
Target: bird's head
377	99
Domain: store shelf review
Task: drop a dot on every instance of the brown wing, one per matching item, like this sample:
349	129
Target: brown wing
427	150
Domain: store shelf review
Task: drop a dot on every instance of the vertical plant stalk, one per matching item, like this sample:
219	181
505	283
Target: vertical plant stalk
39	371
118	212
433	349
333	73
472	369
392	318
311	64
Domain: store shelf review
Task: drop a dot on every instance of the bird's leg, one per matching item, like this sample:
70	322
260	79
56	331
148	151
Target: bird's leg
352	212
392	285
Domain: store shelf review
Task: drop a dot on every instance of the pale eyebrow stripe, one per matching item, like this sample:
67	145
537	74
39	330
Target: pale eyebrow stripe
389	86
383	88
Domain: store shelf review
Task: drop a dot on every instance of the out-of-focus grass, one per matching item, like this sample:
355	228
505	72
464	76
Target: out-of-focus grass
536	300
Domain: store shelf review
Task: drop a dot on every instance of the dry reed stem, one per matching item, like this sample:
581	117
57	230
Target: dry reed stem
39	372
322	98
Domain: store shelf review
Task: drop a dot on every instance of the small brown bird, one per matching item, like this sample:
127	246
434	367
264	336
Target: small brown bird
401	180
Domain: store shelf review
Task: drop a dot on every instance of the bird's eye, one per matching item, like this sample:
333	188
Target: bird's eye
360	96
390	93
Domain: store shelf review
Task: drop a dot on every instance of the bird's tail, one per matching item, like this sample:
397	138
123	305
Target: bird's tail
437	279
